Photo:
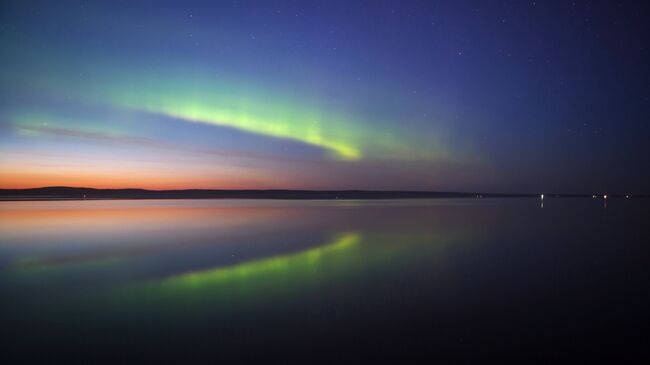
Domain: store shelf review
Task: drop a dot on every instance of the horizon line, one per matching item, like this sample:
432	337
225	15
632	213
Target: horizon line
550	194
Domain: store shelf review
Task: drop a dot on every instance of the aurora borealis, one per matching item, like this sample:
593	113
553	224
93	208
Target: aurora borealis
455	96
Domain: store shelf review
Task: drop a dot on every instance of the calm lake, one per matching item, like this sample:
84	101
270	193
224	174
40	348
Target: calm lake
456	279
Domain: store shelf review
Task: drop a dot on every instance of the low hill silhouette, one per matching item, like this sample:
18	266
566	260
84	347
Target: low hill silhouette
73	193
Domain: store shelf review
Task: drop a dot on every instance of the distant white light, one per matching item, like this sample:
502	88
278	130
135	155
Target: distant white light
542	196
605	196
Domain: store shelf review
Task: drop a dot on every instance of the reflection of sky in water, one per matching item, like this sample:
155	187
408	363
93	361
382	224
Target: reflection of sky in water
99	274
169	251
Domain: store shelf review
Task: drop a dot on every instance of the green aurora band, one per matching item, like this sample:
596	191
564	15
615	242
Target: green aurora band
200	103
249	106
265	113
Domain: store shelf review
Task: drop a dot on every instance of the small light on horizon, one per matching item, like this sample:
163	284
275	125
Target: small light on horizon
542	196
605	196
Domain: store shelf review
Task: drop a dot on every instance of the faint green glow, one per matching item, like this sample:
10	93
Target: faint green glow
29	123
200	98
266	266
242	108
200	95
289	128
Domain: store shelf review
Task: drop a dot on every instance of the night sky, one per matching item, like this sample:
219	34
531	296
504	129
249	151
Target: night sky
497	96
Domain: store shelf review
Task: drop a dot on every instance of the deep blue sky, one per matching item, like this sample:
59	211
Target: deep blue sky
509	96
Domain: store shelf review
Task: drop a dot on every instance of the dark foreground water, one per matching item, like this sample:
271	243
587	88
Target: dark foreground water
454	279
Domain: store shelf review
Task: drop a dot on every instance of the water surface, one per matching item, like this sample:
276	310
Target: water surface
451	278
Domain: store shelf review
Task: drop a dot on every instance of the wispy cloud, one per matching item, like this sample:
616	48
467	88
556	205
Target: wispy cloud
139	141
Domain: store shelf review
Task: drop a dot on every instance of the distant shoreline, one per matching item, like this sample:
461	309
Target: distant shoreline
73	193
